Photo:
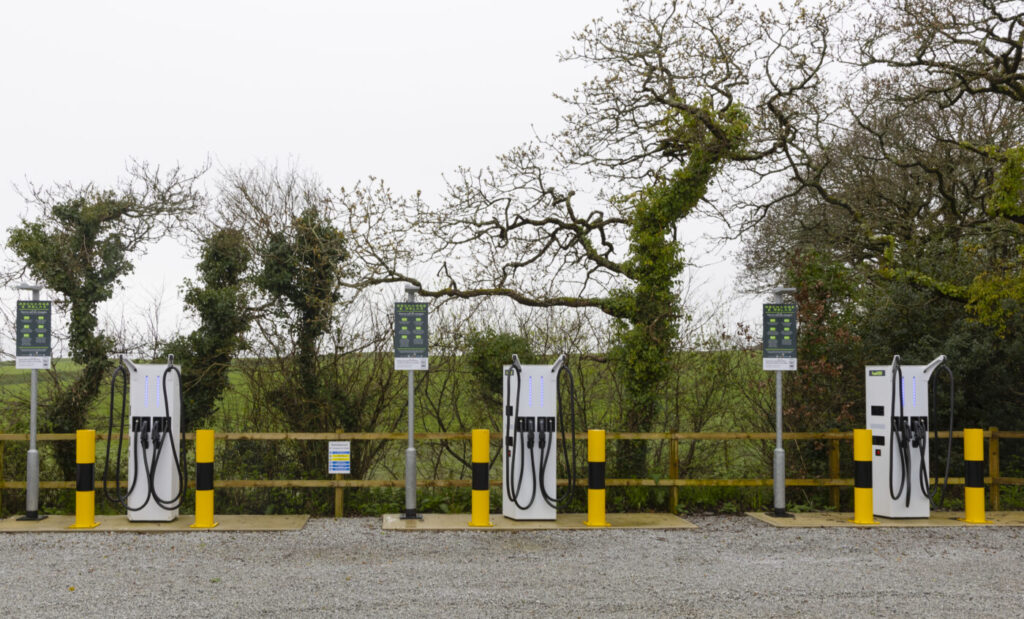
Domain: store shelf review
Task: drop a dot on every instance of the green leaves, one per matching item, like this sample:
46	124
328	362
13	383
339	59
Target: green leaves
649	309
1006	197
487	352
80	246
77	249
996	297
302	266
302	270
221	303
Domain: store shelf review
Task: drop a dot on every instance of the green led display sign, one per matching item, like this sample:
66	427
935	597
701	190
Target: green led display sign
411	336
32	334
778	349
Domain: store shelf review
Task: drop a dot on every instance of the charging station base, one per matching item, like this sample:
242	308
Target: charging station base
844	519
460	522
120	524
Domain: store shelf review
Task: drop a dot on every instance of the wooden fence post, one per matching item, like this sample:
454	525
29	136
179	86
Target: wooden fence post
339	495
673	474
993	465
833	469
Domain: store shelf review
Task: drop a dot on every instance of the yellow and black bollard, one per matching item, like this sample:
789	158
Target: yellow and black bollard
85	487
595	485
863	495
974	476
204	480
481	499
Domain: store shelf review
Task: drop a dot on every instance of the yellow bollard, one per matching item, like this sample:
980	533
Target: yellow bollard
974	476
204	480
481	499
85	487
863	496
595	487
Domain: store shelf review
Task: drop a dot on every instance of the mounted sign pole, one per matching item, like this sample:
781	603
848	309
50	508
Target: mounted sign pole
32	352
411	354
779	354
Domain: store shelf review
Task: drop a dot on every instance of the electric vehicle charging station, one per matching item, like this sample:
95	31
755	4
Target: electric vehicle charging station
532	411
156	467
896	402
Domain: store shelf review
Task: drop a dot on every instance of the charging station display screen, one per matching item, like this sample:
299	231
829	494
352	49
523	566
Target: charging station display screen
411	336
778	351
32	339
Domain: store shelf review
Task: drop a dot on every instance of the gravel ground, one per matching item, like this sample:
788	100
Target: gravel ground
730	566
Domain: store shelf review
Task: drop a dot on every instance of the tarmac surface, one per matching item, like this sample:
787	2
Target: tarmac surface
728	566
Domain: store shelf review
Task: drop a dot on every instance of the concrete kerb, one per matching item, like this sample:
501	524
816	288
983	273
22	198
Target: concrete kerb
120	524
459	522
842	519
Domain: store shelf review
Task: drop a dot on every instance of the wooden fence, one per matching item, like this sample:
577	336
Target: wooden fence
672	481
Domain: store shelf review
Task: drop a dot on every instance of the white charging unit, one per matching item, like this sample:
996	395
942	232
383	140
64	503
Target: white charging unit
896	482
525	417
150	406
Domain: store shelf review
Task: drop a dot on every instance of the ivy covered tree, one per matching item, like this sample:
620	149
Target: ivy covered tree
220	300
302	273
313	372
79	241
686	98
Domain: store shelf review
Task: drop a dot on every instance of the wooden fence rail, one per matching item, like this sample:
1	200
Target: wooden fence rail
672	481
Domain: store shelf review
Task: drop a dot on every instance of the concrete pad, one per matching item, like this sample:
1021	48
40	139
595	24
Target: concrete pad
460	522
842	519
121	524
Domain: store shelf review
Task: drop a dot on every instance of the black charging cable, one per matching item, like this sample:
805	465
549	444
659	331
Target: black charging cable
930	493
514	429
568	461
160	436
898	434
117	497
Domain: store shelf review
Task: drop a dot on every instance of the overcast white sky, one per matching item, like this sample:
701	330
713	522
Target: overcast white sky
402	90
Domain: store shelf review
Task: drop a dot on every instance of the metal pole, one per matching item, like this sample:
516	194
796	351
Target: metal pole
410	451
779	468
32	463
779	477
410	459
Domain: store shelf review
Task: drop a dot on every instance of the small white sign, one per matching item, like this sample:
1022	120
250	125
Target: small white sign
339	457
778	365
411	363
32	363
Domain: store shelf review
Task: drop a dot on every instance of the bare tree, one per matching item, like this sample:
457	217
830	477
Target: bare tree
945	48
953	69
684	93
